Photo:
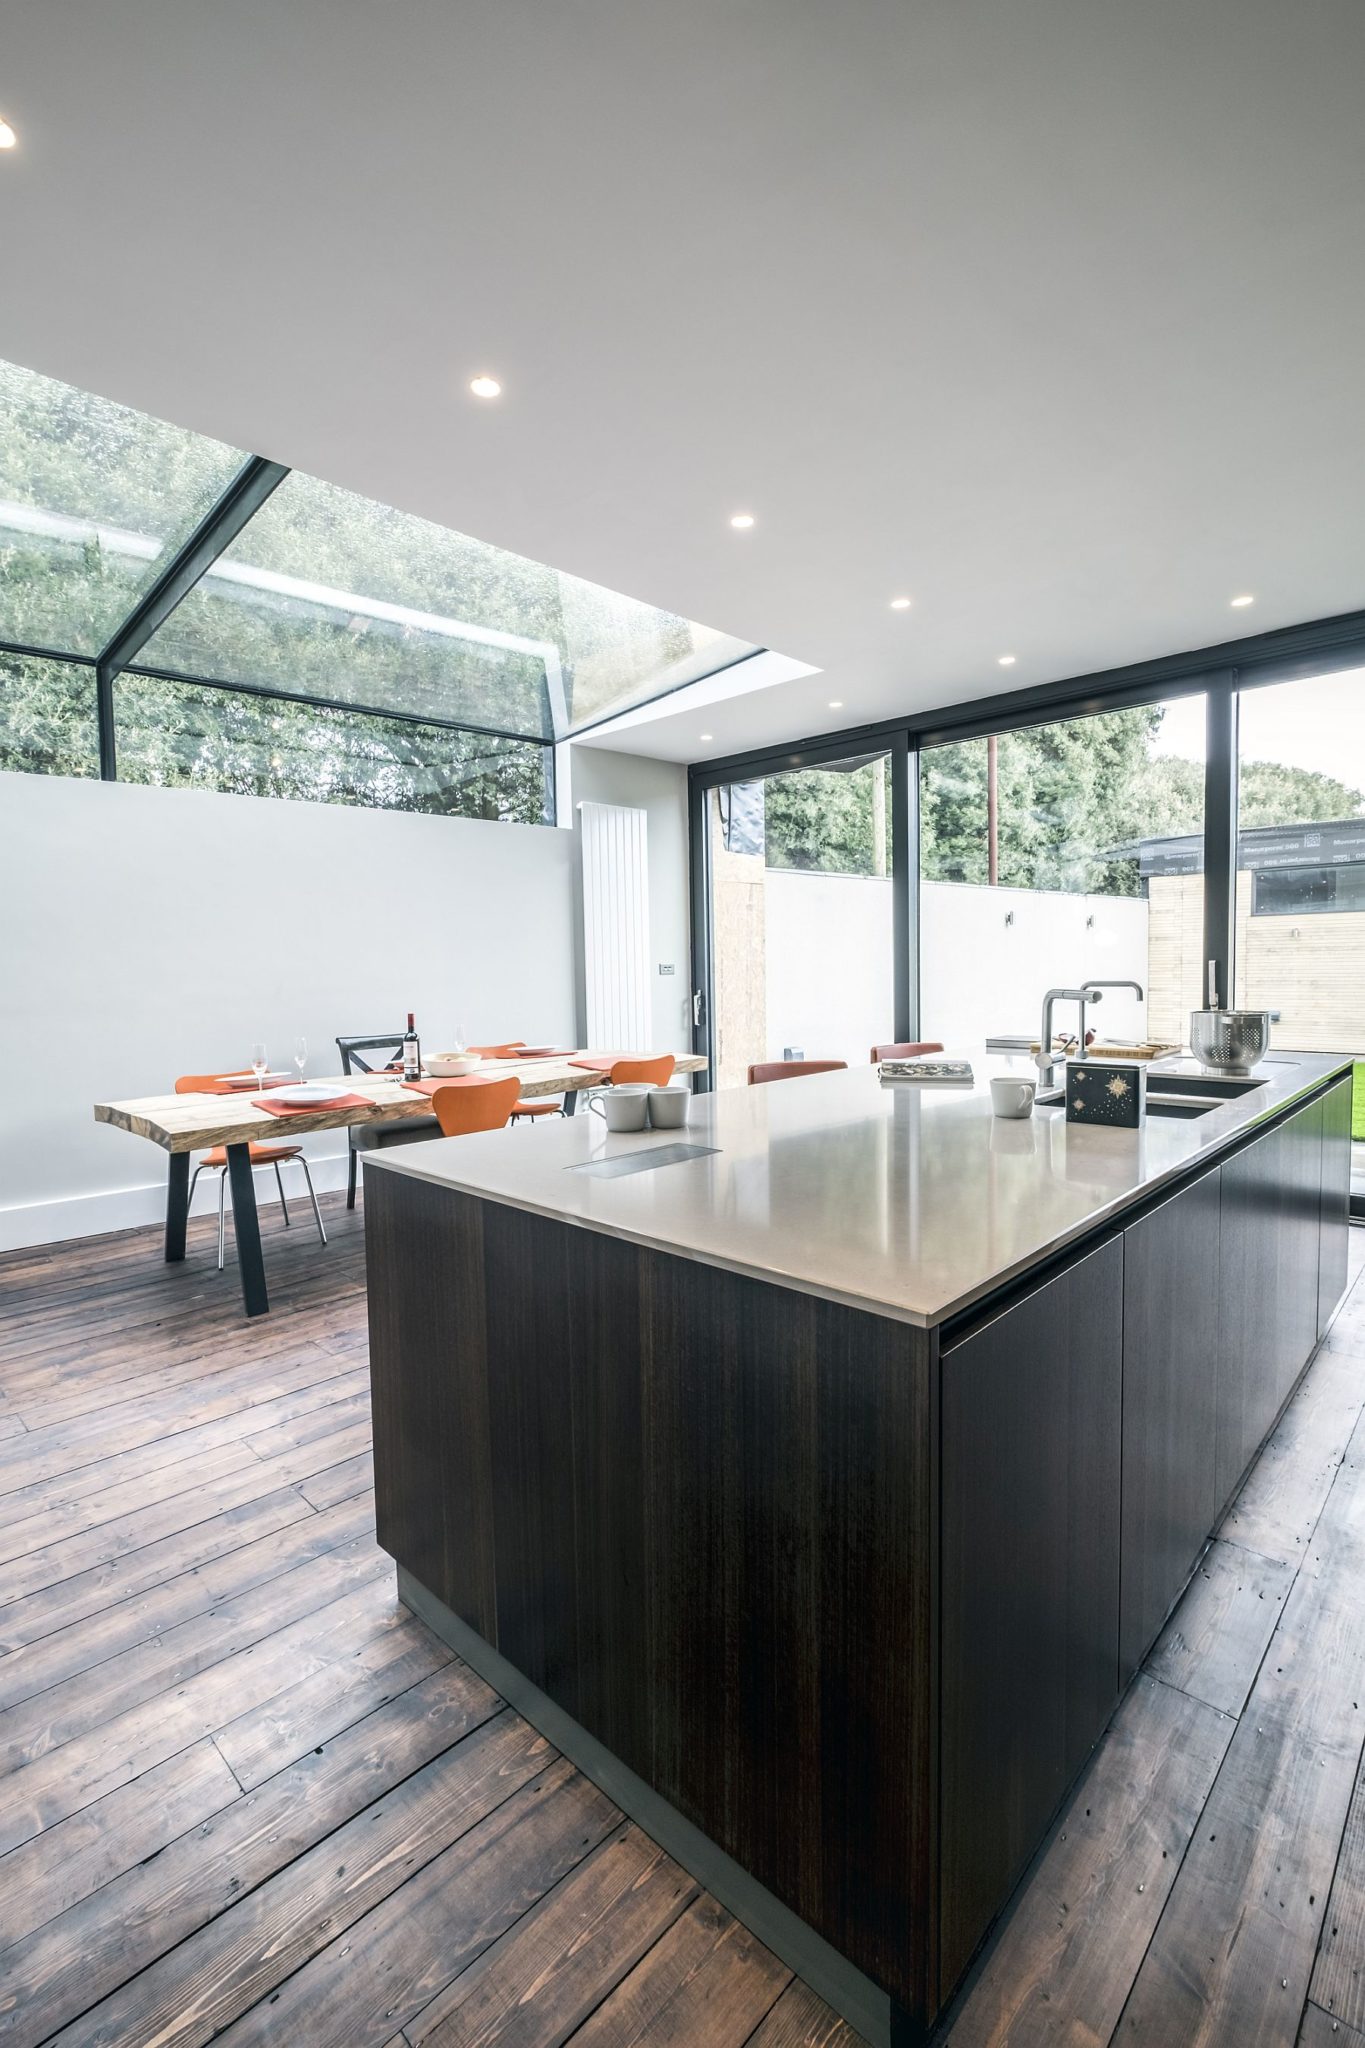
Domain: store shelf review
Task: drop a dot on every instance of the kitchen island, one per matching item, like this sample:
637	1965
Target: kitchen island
819	1487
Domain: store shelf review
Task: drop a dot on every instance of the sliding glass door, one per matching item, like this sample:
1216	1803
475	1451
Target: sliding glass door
801	914
1062	853
1301	866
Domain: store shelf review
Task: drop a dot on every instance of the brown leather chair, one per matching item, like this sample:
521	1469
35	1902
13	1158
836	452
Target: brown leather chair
787	1070
908	1049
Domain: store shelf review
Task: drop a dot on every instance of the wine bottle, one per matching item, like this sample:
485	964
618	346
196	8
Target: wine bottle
412	1052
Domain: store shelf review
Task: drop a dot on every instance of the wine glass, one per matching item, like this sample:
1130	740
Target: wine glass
457	1043
300	1054
260	1065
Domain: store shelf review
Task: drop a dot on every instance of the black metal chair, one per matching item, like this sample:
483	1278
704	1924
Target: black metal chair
388	1045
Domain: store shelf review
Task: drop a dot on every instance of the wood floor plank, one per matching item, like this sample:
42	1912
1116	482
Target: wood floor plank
542	1978
82	1771
290	1436
1321	2029
42	1453
1277	1510
184	1447
340	1482
122	1625
196	1991
388	1964
140	1917
1213	1644
41	1614
1232	1956
56	1870
707	1979
801	2019
68	1556
167	1661
1089	1907
1338	1980
49	1523
296	1719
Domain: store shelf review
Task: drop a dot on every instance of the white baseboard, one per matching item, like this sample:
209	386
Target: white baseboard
106	1209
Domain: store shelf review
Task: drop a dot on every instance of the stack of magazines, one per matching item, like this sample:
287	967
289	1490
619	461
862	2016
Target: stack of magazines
944	1073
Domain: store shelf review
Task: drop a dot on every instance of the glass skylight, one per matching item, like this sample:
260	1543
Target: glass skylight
94	499
334	596
322	595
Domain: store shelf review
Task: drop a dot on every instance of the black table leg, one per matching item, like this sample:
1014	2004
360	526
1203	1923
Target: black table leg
246	1230
177	1205
570	1102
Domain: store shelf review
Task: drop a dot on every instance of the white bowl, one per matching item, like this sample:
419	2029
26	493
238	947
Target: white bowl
448	1066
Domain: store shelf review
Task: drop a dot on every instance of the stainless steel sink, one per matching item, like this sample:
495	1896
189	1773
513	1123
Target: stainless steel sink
1220	1087
1175	1095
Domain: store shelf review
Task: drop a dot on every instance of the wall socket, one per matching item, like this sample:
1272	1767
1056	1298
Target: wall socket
665	967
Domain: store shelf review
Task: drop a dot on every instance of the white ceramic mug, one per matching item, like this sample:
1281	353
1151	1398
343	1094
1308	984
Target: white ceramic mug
1011	1096
670	1106
624	1108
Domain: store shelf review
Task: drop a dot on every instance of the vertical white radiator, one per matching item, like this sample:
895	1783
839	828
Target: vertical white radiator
616	927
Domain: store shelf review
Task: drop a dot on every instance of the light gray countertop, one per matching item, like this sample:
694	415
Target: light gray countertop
905	1200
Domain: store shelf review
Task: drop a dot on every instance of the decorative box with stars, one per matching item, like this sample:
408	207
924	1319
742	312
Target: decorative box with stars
1109	1092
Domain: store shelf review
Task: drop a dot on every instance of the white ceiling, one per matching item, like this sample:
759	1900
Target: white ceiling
1050	313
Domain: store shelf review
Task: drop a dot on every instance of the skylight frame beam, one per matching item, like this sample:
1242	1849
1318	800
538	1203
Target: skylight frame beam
215	533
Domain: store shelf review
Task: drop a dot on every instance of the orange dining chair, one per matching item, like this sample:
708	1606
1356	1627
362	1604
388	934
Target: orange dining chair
474	1105
907	1049
656	1073
787	1070
215	1161
532	1106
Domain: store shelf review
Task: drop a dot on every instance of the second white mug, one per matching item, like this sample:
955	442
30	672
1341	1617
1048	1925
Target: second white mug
670	1106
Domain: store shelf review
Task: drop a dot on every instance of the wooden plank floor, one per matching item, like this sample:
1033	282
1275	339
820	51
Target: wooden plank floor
242	1793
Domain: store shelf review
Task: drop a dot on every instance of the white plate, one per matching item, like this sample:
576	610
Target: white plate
311	1095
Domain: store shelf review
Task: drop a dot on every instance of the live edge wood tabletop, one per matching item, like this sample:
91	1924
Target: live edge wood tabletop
182	1124
191	1123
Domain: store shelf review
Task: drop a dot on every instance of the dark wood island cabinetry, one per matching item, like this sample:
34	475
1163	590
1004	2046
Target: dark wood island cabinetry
835	1592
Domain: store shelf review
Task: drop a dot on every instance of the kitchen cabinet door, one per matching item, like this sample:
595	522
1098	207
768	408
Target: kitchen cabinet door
1268	1284
1031	1413
1335	1212
1170	1407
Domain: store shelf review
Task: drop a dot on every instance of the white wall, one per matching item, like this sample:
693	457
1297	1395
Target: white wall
829	971
598	775
830	986
980	974
146	933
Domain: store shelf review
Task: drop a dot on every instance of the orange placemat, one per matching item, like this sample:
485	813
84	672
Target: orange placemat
452	1081
311	1108
603	1062
237	1084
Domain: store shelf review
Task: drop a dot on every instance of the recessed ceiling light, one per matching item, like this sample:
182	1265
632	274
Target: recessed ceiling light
741	520
836	703
485	387
707	735
1006	660
1238	602
8	138
900	604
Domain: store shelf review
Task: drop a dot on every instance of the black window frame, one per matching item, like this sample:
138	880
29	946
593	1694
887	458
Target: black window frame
1221	674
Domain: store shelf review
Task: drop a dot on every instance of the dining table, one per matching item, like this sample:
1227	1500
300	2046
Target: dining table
184	1124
